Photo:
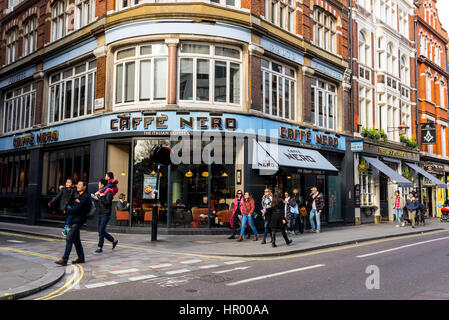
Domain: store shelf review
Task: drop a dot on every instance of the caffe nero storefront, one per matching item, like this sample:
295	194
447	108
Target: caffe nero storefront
215	158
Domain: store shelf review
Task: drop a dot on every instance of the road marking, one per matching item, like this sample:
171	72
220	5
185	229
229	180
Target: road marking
16	241
159	266
229	270
275	274
124	271
142	277
234	262
209	266
401	247
30	253
191	261
28	236
177	271
100	284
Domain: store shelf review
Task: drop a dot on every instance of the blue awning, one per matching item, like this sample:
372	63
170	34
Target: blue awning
432	178
393	175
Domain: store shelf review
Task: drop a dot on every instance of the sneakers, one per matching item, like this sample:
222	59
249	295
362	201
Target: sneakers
99	250
114	244
403	224
397	226
64	233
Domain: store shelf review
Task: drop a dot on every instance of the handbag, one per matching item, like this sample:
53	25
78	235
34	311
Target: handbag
294	209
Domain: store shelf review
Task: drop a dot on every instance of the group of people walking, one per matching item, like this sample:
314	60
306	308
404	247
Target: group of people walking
280	213
409	210
76	204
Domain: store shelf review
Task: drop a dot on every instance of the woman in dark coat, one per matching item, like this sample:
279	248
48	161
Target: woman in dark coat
277	219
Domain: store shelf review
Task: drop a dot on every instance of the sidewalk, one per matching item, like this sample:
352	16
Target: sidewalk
220	245
23	275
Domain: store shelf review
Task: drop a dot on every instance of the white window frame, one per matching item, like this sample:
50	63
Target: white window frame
366	107
364	49
12	42
59	19
61	84
85	13
29	35
137	59
212	58
442	95
366	189
14	109
125	4
326	93
324	30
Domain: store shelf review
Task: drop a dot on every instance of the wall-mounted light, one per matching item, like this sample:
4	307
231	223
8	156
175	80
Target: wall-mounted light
224	174
123	174
153	173
205	174
189	174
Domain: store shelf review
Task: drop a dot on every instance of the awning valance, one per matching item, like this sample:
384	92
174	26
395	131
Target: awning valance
393	175
432	178
269	156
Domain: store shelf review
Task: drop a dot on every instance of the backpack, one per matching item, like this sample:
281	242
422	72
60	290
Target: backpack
92	210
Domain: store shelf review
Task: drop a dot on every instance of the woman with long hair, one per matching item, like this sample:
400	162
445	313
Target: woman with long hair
235	213
278	221
247	208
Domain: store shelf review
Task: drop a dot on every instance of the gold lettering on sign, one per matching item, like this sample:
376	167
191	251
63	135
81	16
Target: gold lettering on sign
391	152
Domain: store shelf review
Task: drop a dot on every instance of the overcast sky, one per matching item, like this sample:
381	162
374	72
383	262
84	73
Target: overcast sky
443	13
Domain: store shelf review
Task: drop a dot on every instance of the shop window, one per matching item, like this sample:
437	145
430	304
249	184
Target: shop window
19	108
29	35
278	87
324	30
11	45
324	104
209	74
72	92
141	74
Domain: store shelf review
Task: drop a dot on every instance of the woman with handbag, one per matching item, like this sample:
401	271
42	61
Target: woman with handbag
278	221
247	208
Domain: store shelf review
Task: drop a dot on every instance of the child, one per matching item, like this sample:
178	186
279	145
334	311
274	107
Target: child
65	198
112	184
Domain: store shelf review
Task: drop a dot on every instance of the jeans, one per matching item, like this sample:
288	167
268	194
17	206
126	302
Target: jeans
298	221
266	230
398	213
247	218
73	238
68	219
102	223
314	213
411	216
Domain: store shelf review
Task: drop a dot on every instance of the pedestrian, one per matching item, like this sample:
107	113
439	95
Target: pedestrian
288	204
299	219
236	213
247	208
316	203
266	204
65	197
412	206
421	211
398	204
112	184
278	221
80	209
103	205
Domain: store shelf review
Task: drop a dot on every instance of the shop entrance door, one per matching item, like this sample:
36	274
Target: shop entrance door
383	190
430	201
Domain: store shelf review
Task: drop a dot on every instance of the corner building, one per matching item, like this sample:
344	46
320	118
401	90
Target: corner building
90	86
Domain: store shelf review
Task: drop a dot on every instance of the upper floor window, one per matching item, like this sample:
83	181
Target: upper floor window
442	95
391	59
123	4
72	92
324	104
11	45
364	50
405	73
231	3
85	12
209	73
141	74
278	89
59	20
324	25
18	109
281	13
29	35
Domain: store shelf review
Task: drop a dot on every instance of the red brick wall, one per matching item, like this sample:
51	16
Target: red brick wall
101	78
255	89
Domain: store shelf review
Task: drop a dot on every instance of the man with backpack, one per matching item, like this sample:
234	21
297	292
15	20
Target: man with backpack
79	210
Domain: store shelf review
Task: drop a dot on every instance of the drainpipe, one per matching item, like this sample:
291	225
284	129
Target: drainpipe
351	64
417	84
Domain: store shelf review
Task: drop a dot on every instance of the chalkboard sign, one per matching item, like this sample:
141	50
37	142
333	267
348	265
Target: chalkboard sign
357	195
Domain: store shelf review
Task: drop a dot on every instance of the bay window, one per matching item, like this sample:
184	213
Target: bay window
141	74
209	73
72	92
278	87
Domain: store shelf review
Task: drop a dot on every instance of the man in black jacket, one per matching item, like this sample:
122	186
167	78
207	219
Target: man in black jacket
103	205
80	209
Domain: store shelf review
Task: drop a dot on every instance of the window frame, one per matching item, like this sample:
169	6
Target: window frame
12	45
29	35
326	92
326	23
14	118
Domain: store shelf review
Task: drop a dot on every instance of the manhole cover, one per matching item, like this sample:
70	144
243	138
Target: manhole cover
214	278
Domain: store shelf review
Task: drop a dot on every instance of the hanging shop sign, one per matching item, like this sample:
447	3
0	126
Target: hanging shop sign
434	168
36	139
428	133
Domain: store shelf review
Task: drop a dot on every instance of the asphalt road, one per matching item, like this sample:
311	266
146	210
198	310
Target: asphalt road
412	267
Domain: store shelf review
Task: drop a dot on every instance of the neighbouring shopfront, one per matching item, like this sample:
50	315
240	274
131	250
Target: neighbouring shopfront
433	189
215	155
